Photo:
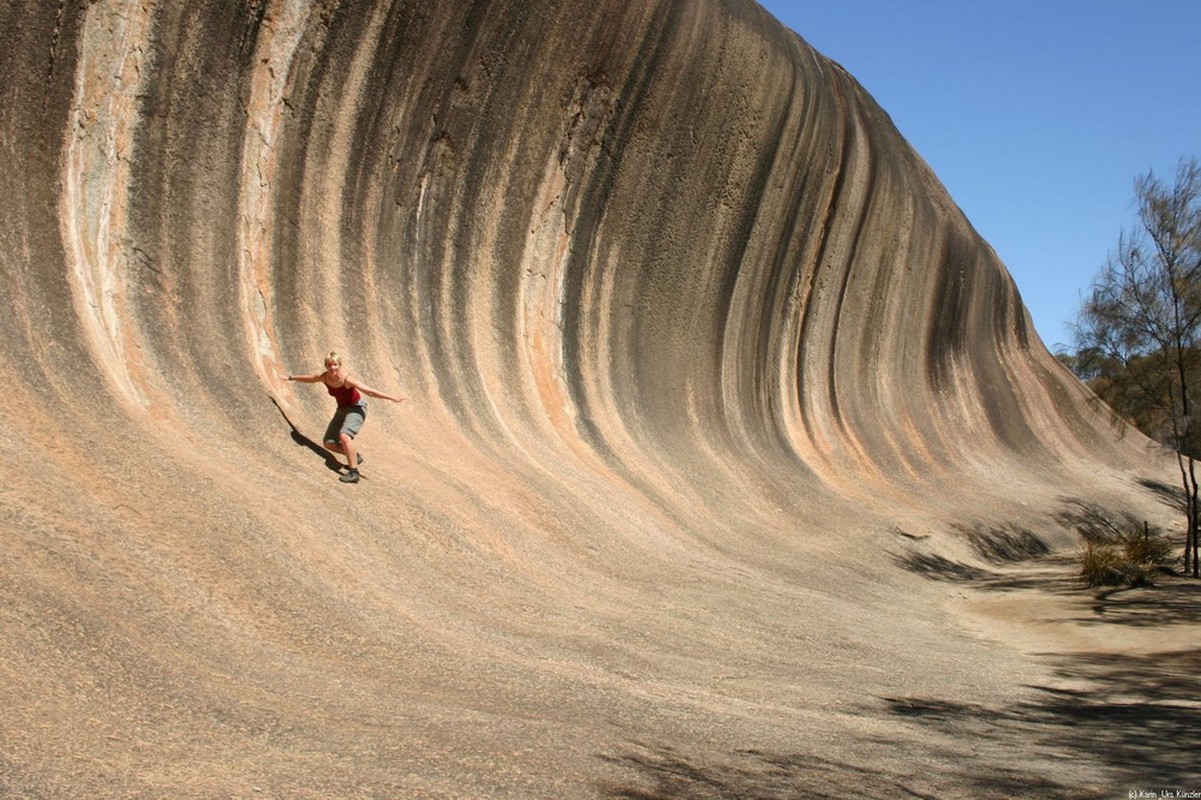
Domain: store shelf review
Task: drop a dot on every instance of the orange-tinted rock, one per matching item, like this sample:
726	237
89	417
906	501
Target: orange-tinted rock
689	334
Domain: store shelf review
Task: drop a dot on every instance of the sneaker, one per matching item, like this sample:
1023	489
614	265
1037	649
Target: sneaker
359	463
350	477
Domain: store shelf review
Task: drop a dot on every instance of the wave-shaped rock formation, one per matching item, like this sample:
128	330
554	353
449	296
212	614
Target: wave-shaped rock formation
707	375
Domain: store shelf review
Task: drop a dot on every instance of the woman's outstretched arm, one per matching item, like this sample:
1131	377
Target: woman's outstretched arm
367	390
304	378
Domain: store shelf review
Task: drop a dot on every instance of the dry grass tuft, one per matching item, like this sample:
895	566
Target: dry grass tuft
1130	556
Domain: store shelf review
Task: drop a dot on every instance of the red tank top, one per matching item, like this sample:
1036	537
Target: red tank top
346	395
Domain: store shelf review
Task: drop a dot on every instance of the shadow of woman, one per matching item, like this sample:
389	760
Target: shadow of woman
331	463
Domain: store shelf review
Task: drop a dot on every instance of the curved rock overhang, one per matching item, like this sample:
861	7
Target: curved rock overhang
699	352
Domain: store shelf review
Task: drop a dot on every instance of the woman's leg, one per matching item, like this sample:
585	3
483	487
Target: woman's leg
346	448
332	440
352	421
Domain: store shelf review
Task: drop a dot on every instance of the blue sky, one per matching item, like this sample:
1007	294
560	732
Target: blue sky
1037	115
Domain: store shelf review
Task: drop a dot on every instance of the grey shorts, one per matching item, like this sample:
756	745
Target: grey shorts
346	420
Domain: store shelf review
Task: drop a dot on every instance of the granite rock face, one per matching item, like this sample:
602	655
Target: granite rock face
702	361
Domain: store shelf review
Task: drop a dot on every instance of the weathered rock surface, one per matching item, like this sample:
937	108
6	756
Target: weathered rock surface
707	374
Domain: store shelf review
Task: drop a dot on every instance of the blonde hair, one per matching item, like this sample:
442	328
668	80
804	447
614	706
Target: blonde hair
333	358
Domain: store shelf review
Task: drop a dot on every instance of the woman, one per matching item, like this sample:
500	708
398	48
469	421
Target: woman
351	413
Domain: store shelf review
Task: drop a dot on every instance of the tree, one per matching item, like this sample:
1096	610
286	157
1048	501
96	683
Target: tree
1138	336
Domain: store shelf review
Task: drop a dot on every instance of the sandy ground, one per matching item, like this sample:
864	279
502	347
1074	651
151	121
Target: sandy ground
1121	672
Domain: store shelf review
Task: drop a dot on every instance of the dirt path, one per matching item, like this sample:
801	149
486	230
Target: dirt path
1123	673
